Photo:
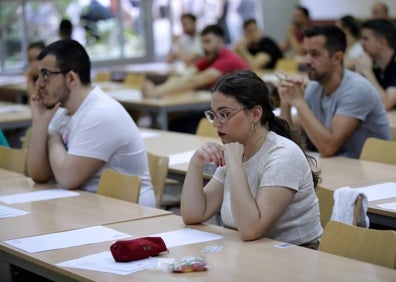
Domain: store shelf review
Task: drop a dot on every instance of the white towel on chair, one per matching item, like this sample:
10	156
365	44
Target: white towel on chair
344	204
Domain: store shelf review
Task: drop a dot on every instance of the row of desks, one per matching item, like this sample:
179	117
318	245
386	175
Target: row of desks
132	100
235	261
336	172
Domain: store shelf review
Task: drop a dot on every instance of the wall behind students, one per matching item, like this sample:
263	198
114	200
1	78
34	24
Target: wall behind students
336	8
277	14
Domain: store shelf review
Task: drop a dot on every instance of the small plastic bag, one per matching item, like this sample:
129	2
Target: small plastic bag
188	264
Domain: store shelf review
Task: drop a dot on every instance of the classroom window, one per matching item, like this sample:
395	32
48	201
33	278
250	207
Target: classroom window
110	30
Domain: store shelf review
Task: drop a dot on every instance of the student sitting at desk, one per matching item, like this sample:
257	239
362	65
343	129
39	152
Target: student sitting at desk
339	109
217	61
78	130
260	52
264	185
379	64
33	51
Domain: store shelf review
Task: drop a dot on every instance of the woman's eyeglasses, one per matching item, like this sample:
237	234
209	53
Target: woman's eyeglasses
222	115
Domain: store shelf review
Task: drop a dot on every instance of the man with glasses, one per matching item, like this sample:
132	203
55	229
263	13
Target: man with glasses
340	109
78	130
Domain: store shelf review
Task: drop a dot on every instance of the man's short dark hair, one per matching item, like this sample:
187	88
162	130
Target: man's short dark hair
66	28
189	16
382	28
335	37
214	29
304	10
352	24
36	44
70	56
249	22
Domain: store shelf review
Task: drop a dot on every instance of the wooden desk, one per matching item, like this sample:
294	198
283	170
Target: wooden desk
336	172
132	100
5	174
340	171
167	143
14	115
154	68
87	209
236	261
13	88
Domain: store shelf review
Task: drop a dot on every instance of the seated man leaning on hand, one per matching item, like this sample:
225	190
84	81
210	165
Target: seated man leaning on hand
206	71
217	60
77	129
340	109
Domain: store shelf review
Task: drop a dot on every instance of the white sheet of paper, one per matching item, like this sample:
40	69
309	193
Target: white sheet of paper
105	262
388	206
12	79
147	134
186	236
125	94
37	196
66	239
10	212
180	158
379	191
12	108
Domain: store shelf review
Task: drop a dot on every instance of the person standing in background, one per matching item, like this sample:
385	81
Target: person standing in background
65	30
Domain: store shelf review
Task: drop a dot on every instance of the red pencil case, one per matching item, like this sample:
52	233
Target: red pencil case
136	249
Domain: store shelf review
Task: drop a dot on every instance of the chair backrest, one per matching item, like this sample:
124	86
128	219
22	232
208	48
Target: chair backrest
134	80
326	203
3	139
393	133
102	76
377	150
13	159
369	245
289	65
26	138
158	166
119	185
205	128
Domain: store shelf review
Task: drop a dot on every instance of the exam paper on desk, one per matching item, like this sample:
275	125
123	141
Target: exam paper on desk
47	194
104	261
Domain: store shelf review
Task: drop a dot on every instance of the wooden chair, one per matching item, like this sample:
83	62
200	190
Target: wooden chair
26	138
158	166
326	203
119	185
393	133
369	245
134	80
102	76
205	128
377	150
13	159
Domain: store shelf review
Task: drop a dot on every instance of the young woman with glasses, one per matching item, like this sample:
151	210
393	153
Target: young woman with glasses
264	185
